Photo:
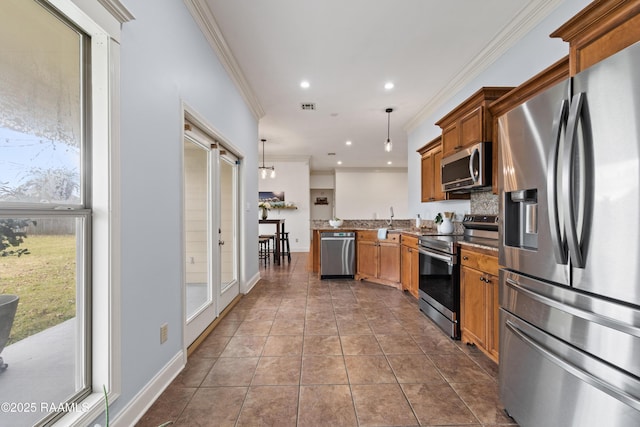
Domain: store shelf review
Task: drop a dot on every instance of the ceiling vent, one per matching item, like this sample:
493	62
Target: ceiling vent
308	106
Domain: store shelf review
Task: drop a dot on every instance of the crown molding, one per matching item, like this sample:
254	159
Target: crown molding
118	10
209	27
528	17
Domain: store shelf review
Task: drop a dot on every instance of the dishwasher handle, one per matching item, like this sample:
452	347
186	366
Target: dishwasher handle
338	238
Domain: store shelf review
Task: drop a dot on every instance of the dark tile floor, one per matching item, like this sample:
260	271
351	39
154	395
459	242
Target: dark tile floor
298	351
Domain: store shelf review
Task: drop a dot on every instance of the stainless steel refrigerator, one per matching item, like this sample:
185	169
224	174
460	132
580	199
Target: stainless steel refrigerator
570	246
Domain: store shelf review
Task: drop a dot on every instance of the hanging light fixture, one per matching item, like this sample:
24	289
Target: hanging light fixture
388	145
264	170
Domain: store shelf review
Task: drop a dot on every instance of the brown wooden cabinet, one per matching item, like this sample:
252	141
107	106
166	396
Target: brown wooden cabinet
409	257
378	260
598	31
431	155
470	122
430	171
479	300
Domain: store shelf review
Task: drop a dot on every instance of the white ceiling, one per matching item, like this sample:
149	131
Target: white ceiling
348	50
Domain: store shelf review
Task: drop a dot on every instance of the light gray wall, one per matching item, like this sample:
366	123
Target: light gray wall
166	61
369	194
530	55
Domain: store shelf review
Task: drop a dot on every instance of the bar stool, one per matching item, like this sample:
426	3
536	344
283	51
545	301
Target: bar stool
272	241
284	245
264	248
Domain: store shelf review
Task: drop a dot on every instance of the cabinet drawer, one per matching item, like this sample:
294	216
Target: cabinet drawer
392	238
372	236
368	235
478	261
410	241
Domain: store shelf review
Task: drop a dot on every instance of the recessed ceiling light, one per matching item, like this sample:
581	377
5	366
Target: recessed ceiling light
339	162
388	85
389	162
304	84
348	143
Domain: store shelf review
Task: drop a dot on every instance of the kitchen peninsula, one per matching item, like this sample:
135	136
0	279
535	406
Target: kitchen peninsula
379	260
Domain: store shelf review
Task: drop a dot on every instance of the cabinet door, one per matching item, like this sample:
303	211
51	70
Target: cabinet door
471	127
389	267
427	177
450	139
494	321
473	306
432	176
367	258
415	274
406	267
438	194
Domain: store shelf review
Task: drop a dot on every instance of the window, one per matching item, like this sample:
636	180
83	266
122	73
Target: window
45	210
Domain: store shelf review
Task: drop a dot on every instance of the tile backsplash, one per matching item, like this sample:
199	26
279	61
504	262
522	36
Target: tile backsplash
484	203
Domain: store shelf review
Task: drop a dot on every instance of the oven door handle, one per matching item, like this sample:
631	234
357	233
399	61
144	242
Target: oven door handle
449	259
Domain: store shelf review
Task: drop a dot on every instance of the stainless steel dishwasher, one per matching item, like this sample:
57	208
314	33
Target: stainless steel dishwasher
337	254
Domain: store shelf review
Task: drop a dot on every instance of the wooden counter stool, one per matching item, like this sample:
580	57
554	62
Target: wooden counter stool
264	247
284	244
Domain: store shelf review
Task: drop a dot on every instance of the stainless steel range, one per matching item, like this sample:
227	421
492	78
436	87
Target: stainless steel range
439	283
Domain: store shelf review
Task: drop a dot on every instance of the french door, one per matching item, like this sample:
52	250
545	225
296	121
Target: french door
228	231
210	230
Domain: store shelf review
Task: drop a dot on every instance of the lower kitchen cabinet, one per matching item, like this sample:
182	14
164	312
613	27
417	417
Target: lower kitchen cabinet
479	301
409	258
378	259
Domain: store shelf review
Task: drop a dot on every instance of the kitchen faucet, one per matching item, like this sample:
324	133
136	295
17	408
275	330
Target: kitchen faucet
390	221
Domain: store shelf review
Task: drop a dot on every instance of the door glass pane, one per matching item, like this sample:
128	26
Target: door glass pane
228	250
40	105
43	339
197	225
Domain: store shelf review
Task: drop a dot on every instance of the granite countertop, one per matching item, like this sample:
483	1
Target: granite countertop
406	226
408	231
486	246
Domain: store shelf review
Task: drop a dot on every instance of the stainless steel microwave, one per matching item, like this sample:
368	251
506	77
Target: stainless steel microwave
468	169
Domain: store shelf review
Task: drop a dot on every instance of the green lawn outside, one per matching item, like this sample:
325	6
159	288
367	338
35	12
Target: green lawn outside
45	281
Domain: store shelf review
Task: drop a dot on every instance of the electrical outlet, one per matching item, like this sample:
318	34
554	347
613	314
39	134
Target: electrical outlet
164	332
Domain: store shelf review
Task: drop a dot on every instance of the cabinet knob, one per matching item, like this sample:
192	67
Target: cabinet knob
466	258
482	279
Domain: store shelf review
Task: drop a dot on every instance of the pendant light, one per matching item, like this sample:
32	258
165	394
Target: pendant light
388	145
264	170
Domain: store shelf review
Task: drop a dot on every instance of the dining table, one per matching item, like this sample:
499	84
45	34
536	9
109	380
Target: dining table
279	224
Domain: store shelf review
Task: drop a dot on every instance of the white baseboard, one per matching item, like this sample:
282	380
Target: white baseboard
141	403
251	283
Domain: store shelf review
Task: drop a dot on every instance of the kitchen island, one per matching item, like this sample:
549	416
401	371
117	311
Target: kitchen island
378	260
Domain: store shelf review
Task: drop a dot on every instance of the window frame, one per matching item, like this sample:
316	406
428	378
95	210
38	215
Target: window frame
101	21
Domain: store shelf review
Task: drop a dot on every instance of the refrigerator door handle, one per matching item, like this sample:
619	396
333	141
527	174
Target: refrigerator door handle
568	184
558	243
473	173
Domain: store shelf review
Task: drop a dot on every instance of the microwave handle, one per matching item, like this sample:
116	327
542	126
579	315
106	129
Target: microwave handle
473	175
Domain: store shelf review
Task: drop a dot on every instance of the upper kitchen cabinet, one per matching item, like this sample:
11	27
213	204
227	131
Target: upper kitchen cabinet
431	154
470	122
600	30
431	173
